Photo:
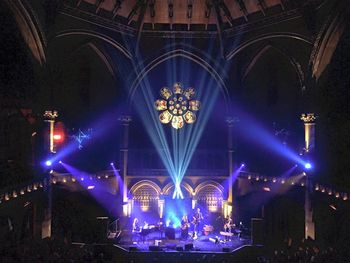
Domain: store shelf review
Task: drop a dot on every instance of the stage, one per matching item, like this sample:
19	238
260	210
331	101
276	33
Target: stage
156	241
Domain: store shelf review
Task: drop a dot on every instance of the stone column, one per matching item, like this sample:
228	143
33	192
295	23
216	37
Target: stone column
309	130
49	117
230	151
125	120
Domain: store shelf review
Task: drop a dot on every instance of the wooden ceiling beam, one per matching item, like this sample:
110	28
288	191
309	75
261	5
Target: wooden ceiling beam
263	6
219	25
189	13
243	9
134	10
208	7
117	6
78	3
152	11
227	12
141	20
171	12
98	5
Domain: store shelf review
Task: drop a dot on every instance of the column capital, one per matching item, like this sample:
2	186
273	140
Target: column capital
126	119
308	117
50	115
231	121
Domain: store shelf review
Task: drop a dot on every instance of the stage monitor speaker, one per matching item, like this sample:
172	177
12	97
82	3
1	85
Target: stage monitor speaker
170	233
154	248
188	247
226	249
132	249
257	227
179	248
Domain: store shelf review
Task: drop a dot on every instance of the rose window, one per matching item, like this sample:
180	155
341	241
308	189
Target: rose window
177	106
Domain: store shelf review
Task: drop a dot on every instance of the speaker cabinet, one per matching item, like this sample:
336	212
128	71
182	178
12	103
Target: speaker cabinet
154	248
188	247
179	248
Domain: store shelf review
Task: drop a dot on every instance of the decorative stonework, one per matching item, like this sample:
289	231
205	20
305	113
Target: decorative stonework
308	118
177	106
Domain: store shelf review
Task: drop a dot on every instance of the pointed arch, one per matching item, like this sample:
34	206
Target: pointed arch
29	28
105	58
105	38
264	37
294	63
173	54
327	40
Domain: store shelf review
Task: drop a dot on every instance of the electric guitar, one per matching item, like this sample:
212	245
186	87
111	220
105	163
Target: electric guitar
185	226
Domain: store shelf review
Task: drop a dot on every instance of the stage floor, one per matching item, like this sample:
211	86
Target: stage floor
203	243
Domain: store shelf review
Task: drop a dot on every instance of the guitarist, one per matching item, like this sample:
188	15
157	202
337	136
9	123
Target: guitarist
228	225
185	225
197	218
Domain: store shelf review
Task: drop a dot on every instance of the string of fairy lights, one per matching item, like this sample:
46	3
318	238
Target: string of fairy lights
301	183
55	179
40	185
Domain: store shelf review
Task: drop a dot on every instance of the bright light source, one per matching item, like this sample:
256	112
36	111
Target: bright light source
48	163
60	162
57	137
177	192
333	207
308	166
242	164
112	163
90	187
267	189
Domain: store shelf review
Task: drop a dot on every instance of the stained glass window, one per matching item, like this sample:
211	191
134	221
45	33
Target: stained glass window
177	106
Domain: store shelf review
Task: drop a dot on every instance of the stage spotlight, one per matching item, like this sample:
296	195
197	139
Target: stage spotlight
308	166
90	187
60	162
242	164
48	163
112	164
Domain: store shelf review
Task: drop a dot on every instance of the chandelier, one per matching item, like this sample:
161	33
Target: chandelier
177	106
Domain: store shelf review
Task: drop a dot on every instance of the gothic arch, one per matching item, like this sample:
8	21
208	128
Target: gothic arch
105	58
100	36
263	37
294	63
29	28
179	53
327	40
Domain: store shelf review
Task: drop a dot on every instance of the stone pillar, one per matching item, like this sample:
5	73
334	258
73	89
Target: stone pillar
161	203
309	130
50	117
229	205
125	120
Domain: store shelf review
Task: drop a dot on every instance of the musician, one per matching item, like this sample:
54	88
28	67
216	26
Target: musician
228	225
185	225
136	226
197	218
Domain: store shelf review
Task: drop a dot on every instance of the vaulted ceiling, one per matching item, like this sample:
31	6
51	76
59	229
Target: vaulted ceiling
184	12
